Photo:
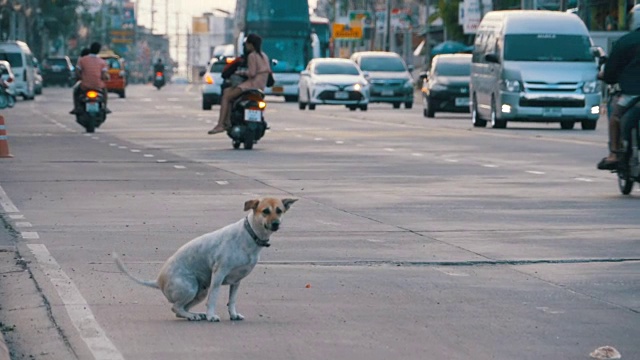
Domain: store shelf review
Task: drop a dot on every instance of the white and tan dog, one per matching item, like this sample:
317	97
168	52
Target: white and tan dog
222	257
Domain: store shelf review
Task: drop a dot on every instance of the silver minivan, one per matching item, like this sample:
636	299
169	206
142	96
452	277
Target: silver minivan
534	66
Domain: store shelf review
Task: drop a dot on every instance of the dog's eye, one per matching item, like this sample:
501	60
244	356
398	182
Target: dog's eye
266	211
278	211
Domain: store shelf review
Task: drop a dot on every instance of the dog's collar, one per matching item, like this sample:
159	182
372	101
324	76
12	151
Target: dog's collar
255	237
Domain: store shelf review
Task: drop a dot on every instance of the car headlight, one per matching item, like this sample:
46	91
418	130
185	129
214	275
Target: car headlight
591	87
511	85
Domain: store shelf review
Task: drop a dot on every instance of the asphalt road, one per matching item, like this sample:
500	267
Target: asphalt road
413	238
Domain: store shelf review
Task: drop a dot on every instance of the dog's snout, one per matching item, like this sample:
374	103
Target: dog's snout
275	225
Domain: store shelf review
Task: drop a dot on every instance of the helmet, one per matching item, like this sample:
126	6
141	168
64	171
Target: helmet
634	19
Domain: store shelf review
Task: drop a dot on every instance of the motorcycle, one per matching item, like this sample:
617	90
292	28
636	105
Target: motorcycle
158	81
247	119
92	110
7	97
628	168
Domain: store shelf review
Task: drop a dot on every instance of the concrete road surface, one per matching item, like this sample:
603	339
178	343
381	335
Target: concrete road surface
413	238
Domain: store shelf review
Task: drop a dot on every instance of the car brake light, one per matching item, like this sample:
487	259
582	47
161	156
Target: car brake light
92	94
230	60
158	73
208	79
262	104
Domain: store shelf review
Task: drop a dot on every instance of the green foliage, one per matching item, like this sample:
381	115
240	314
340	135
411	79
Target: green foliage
60	16
448	11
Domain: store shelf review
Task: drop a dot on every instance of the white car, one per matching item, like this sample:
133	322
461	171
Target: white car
7	76
333	82
212	82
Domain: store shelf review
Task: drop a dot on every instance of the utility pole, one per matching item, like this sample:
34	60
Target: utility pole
387	35
178	39
427	36
153	12
166	18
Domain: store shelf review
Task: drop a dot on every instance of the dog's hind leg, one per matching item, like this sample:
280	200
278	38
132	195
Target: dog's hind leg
184	296
233	295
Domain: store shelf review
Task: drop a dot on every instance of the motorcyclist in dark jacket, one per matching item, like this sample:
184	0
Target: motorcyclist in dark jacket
622	68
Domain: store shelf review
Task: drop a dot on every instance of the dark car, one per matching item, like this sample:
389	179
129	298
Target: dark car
445	87
58	71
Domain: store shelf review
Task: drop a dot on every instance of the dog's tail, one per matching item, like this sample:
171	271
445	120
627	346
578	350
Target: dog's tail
149	283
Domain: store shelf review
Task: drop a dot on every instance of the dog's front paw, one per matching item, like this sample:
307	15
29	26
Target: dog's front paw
213	318
237	317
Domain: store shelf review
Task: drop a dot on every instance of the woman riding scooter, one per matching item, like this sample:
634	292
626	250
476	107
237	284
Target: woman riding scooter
257	73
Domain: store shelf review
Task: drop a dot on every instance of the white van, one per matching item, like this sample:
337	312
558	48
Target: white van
18	54
534	66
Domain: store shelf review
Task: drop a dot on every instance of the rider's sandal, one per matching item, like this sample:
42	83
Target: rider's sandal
606	164
216	130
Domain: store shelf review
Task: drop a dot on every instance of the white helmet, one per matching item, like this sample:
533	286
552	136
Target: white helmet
634	19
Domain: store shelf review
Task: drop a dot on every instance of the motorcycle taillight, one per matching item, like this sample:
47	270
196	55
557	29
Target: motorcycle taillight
158	74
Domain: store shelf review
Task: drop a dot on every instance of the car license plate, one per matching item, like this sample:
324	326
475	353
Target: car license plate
158	78
253	115
462	101
387	93
552	112
92	107
277	89
341	95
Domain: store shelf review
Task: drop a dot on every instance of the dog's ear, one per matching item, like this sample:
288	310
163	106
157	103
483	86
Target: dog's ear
288	202
251	204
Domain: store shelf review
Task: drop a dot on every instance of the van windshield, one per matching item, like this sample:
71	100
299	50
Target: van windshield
547	47
371	63
14	59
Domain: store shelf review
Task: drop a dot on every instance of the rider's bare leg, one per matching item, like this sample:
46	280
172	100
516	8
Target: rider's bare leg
224	121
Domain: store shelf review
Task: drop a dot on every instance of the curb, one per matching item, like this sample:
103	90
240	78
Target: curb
4	351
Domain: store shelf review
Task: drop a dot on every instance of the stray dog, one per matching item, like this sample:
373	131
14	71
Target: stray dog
222	257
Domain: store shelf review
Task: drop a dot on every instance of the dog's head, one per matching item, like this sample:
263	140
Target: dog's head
268	211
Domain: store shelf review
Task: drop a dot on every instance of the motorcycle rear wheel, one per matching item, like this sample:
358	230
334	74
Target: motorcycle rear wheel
625	181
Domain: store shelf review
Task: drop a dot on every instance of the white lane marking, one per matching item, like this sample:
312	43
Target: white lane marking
339	142
29	235
583	179
148	155
146	99
173	99
179	167
95	138
6	203
416	154
16	217
112	144
549	311
490	165
122	147
451	160
535	172
161	161
75	304
23	224
450	272
222	182
389	149
318	139
135	150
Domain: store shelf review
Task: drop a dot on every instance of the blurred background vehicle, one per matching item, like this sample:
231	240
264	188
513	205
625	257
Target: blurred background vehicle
19	56
445	87
389	77
333	82
212	82
38	82
7	85
58	70
117	82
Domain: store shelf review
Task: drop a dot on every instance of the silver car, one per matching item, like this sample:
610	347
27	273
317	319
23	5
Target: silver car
389	76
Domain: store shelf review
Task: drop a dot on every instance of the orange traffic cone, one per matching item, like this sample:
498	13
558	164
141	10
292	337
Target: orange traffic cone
4	144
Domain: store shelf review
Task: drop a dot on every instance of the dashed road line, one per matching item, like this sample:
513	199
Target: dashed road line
583	179
29	235
6	203
179	167
222	182
535	172
77	307
490	165
23	224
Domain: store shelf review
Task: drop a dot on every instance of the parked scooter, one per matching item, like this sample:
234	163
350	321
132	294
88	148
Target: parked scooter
247	119
158	81
92	110
7	97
